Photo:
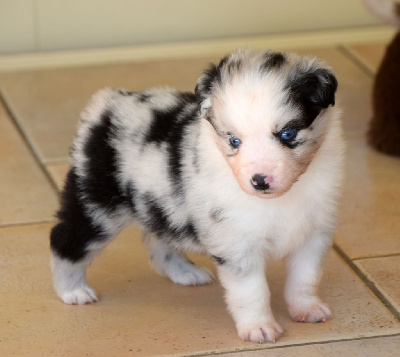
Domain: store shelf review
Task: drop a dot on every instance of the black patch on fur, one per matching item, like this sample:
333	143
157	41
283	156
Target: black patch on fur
162	125
131	195
273	60
210	77
168	126
158	221
100	183
187	97
190	230
175	152
223	61
313	91
218	260
166	121
143	97
232	66
75	231
126	93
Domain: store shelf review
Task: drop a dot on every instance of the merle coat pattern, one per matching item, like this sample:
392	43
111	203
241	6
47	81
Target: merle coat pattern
247	167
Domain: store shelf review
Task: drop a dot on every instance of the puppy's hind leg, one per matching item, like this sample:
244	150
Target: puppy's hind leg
73	249
69	279
74	242
171	263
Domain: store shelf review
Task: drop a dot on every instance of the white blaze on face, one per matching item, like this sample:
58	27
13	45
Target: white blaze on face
270	112
255	110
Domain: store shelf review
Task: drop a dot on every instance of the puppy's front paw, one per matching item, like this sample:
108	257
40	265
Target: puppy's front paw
268	331
81	296
310	309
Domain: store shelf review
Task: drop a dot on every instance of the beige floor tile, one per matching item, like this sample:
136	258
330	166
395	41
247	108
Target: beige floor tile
369	54
143	314
382	347
48	102
369	223
385	274
25	193
58	173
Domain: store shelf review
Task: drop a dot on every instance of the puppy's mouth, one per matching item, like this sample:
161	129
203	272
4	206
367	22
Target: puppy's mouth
269	193
263	193
266	193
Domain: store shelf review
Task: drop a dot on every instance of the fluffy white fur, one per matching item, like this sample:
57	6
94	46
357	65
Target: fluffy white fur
236	223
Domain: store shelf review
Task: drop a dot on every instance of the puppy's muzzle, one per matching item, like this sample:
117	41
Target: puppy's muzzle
261	182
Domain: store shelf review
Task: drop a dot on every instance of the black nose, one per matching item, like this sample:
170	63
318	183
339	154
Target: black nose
258	182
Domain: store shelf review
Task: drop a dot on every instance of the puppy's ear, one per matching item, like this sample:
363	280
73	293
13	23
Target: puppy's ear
315	87
210	78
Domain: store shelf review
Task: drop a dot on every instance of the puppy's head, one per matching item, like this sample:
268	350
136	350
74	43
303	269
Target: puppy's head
270	112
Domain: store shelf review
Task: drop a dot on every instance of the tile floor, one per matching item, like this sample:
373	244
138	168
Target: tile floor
142	314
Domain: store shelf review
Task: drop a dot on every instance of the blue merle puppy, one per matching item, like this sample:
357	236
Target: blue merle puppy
248	167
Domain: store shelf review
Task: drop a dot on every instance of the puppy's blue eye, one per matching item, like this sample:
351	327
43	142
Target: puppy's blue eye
288	135
235	142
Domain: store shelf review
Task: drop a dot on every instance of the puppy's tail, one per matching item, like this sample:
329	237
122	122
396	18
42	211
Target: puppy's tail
386	10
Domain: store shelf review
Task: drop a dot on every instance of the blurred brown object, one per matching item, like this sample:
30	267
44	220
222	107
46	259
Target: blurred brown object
384	128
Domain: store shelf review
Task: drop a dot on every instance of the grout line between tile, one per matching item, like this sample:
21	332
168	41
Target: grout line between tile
26	224
29	144
370	284
275	347
376	256
357	61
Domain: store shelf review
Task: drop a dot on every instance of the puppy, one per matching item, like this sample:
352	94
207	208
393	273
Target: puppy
384	128
249	167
